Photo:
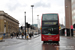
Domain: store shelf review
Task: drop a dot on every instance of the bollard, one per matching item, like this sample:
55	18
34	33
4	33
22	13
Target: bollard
1	38
65	32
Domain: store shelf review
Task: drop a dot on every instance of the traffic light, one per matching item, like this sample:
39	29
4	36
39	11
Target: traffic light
27	25
21	28
74	26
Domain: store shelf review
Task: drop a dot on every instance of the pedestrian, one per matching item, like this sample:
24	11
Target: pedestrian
14	33
30	35
22	35
17	35
11	35
27	36
4	35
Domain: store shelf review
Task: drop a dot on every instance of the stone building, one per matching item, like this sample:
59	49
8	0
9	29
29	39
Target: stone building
69	13
8	24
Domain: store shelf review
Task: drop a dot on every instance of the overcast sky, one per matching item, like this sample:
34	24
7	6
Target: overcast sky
16	9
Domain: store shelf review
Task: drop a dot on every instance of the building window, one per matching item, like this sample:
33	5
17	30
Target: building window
73	11
73	17
4	25
4	20
73	1
73	22
73	6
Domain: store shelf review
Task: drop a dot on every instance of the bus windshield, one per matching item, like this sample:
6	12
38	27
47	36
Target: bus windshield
50	30
50	17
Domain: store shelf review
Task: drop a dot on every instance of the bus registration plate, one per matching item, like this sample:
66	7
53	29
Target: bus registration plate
49	40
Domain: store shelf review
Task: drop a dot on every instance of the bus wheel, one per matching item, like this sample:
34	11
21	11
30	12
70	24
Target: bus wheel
57	42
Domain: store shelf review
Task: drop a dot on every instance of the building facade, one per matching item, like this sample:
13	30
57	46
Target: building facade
68	13
73	11
8	24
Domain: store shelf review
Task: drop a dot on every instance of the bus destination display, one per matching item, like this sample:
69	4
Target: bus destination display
50	23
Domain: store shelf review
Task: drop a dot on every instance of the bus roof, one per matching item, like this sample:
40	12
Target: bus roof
50	13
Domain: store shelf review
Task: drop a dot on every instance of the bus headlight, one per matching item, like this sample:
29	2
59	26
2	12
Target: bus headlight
43	37
57	37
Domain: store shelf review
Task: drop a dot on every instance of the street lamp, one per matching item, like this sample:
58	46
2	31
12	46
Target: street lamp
38	22
32	15
25	25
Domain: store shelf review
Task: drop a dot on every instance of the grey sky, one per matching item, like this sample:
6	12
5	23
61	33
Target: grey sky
12	5
16	9
41	4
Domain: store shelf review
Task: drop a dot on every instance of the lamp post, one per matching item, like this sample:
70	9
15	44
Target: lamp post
32	15
38	22
25	25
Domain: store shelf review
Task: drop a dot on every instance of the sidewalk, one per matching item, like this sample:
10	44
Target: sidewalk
20	37
68	37
35	36
5	36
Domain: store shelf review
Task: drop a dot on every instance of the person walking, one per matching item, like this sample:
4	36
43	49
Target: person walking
4	35
27	35
17	35
30	35
11	35
22	35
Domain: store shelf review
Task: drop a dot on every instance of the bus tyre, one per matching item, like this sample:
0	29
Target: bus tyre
57	42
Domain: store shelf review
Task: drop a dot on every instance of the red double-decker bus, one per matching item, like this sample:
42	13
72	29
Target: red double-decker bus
50	27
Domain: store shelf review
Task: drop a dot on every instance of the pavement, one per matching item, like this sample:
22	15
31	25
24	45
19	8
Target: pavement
68	36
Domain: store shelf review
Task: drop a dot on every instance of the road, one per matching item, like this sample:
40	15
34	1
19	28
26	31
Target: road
65	43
